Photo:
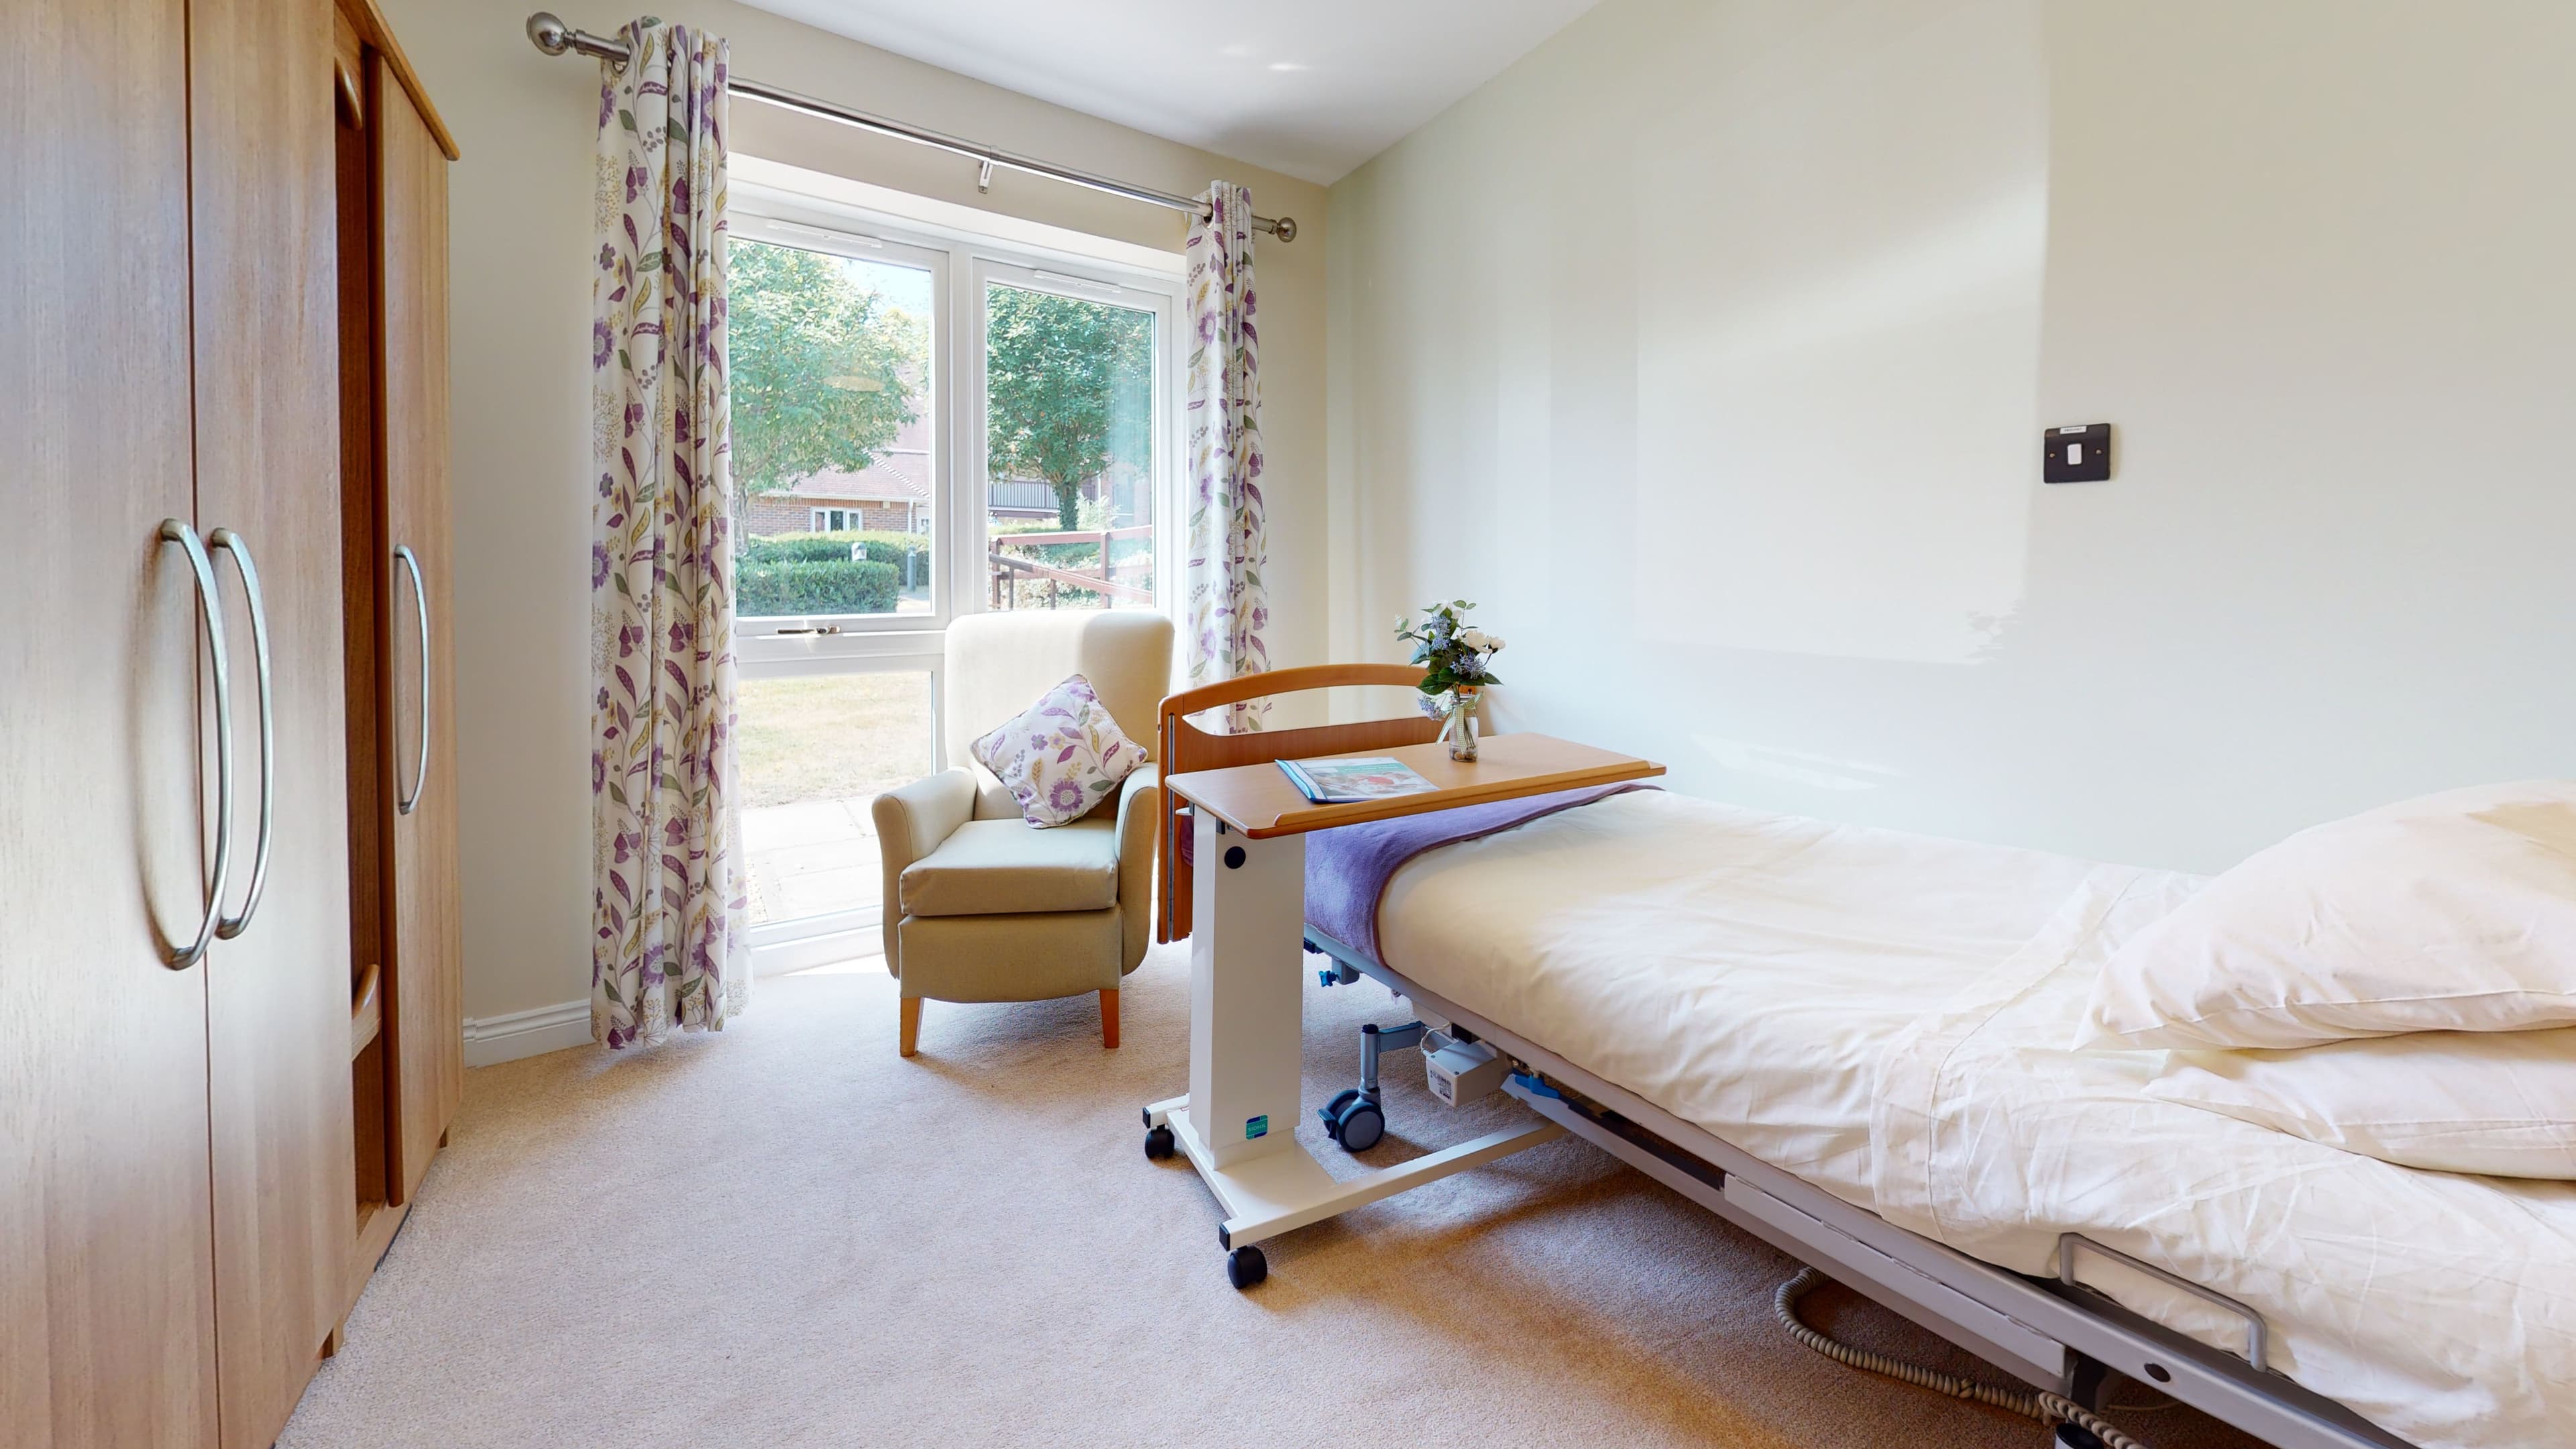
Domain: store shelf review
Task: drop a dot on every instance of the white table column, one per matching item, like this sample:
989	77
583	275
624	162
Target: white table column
1247	991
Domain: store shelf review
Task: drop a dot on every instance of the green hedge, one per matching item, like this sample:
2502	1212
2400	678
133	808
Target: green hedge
838	585
884	548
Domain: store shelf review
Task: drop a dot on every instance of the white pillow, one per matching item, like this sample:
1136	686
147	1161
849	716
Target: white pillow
2454	912
2501	1103
1061	756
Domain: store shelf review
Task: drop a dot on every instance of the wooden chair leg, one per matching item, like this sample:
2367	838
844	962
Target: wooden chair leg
1109	1018
908	1037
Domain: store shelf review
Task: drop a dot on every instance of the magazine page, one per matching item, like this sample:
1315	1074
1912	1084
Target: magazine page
1376	778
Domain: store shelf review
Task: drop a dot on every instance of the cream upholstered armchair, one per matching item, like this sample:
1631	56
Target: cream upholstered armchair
982	906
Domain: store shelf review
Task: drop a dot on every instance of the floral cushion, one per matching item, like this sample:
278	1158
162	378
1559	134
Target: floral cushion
1061	756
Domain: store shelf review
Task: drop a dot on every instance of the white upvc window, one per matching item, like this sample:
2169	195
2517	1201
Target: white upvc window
953	309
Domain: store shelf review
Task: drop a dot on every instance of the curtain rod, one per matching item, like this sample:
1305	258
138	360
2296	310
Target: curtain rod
551	35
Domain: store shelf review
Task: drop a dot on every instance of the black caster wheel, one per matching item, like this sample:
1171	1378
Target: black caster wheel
1245	1267
1159	1144
1332	1111
1359	1126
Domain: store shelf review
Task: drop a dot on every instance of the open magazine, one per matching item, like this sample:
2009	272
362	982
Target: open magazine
1343	782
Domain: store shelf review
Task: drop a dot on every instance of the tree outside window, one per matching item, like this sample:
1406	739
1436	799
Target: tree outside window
1068	391
822	367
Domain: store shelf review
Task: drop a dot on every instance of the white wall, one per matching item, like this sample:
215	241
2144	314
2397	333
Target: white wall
1708	350
520	317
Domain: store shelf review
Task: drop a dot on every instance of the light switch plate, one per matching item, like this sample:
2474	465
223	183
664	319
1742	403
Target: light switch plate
2080	454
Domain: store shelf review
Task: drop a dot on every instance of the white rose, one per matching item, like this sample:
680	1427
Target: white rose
1497	644
1477	639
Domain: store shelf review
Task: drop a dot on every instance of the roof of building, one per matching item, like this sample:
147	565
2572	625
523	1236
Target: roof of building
900	474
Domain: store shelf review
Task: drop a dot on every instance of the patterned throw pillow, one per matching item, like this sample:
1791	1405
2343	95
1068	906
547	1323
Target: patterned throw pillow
1060	756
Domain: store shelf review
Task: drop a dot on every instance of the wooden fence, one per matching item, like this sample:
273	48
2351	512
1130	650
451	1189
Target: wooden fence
1010	571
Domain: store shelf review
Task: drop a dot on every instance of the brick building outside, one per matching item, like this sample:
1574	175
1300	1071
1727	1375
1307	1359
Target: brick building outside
892	495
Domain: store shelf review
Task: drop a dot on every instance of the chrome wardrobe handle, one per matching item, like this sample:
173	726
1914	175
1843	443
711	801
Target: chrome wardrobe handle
175	531
224	540
404	801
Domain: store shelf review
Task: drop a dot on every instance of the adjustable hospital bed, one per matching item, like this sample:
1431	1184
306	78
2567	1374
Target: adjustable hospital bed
1851	1043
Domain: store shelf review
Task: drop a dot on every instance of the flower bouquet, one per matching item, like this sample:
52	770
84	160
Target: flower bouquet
1456	663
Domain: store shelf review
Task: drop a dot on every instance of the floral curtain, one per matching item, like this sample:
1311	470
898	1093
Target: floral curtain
1228	605
668	900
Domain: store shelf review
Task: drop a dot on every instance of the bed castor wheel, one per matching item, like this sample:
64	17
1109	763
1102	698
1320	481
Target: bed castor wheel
1245	1267
1331	1111
1159	1144
1358	1124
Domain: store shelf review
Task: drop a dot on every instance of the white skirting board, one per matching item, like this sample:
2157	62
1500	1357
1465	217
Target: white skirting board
490	1039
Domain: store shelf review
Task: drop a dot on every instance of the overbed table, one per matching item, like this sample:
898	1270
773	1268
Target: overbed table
1247	994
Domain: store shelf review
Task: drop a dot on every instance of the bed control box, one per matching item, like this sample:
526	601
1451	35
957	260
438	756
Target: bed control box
1461	1071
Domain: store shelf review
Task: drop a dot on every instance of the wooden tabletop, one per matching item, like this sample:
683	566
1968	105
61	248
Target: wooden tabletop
1259	801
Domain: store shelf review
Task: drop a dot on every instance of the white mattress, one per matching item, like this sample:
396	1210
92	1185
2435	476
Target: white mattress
1886	1014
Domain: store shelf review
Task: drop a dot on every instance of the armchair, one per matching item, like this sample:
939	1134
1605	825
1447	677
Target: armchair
981	906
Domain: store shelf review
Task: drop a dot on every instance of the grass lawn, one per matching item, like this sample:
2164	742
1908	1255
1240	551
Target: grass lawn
831	737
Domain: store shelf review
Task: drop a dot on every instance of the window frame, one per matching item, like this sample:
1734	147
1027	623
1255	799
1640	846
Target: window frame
758	639
1163	301
958	259
774	214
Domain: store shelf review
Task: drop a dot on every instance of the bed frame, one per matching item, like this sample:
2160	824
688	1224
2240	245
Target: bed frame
2056	1334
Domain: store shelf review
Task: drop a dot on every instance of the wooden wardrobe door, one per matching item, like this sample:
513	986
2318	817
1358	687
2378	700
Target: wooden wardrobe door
105	1280
424	1008
268	468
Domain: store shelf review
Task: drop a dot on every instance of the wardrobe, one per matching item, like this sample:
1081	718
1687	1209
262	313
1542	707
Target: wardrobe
197	890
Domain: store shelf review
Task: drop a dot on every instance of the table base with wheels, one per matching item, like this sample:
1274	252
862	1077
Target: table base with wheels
1287	1188
1237	1125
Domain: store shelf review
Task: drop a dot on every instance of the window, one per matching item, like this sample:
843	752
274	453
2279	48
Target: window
813	752
926	423
1073	381
834	368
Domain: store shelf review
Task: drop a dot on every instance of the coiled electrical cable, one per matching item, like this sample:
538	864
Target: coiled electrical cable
2049	1409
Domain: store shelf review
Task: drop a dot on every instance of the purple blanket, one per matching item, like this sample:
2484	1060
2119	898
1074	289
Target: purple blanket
1347	867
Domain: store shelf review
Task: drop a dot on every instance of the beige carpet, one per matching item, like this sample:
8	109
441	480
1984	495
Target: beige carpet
786	1235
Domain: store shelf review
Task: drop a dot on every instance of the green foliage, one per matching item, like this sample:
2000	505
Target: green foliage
1452	654
815	586
817	363
1068	389
884	548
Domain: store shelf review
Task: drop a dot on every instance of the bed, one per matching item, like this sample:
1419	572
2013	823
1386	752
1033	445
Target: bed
1855	1039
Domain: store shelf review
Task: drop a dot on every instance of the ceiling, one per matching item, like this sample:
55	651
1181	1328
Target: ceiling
1311	88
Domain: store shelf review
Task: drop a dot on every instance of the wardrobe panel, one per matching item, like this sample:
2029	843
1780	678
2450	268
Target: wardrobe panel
424	1007
268	467
105	1277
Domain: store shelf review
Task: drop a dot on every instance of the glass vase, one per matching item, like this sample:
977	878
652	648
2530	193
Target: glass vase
1460	728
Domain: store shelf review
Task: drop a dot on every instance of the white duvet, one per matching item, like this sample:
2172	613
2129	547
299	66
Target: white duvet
1886	1015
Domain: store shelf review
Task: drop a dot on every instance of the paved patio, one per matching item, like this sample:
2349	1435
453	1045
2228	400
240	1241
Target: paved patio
811	857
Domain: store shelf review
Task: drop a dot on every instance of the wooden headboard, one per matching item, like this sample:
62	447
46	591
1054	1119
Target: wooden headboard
1180	746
